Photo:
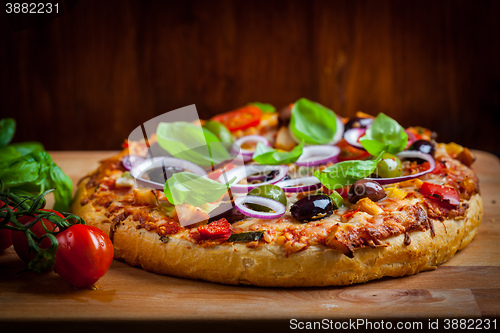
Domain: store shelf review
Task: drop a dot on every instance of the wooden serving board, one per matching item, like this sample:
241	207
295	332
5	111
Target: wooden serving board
468	285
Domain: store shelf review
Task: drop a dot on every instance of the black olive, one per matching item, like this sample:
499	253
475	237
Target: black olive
158	174
365	189
424	146
314	207
274	173
228	211
358	122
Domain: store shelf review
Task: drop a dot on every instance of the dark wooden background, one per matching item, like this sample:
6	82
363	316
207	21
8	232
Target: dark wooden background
85	79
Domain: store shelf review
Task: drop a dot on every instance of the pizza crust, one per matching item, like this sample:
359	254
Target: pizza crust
269	266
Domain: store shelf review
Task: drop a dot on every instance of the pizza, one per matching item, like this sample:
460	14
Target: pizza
306	198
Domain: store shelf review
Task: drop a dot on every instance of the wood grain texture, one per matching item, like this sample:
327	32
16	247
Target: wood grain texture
85	79
130	299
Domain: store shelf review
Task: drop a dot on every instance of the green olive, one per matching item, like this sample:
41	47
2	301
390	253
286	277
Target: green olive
219	130
389	166
269	191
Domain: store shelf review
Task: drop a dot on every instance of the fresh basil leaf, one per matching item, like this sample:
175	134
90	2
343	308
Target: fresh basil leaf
347	172
193	143
63	185
312	122
16	150
186	187
385	134
267	108
267	155
7	131
337	199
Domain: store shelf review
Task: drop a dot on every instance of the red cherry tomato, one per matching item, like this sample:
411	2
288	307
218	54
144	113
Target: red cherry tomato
444	194
20	240
84	255
215	230
239	119
5	235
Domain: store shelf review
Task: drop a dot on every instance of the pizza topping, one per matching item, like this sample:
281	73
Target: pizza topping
247	236
318	155
219	130
297	185
240	119
220	229
389	166
243	172
276	208
314	207
129	161
368	206
269	191
314	123
159	169
228	211
424	146
365	188
445	194
353	135
239	145
385	134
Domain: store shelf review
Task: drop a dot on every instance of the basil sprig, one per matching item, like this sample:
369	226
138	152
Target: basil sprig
186	187
385	134
312	122
267	155
27	169
347	172
193	143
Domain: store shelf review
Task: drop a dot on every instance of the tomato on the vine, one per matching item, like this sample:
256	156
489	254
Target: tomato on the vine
5	235
84	255
20	241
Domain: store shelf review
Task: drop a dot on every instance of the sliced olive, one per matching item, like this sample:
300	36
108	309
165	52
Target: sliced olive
314	207
274	173
365	189
358	122
389	166
424	146
219	130
269	191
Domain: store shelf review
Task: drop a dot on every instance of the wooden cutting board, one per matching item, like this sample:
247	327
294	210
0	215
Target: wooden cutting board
468	285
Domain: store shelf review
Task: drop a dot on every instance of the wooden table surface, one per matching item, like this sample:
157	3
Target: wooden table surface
468	285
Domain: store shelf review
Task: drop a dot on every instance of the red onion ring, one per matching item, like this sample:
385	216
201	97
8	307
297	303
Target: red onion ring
244	171
352	136
248	153
130	161
408	154
278	208
139	170
339	133
303	184
316	155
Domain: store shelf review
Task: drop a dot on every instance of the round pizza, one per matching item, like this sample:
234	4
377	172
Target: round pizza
299	197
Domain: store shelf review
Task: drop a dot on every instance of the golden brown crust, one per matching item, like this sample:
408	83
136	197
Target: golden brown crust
269	265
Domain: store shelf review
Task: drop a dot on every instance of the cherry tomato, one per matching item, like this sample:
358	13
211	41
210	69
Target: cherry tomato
215	230
444	194
84	255
20	240
239	119
5	235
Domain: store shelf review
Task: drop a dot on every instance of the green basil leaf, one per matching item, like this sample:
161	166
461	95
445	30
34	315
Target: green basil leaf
312	122
193	143
63	185
7	131
267	155
347	172
16	150
267	108
337	199
385	134
186	187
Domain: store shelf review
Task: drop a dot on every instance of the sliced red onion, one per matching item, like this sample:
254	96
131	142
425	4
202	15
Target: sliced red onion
411	138
408	154
278	208
316	155
248	153
339	133
303	184
140	169
243	172
130	161
352	137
